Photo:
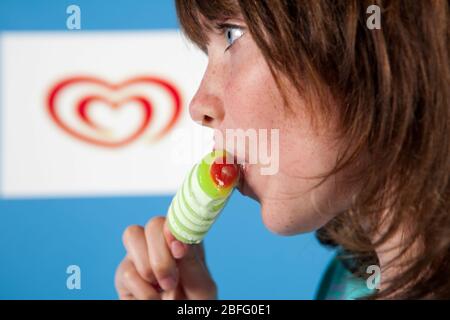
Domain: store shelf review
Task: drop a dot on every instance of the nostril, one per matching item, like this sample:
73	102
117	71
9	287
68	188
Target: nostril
207	119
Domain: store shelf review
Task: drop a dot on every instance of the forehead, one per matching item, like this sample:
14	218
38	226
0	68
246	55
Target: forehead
210	9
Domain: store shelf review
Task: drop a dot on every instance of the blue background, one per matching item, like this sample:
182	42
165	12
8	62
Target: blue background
39	238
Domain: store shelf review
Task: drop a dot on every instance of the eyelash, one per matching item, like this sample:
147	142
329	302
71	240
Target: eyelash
224	27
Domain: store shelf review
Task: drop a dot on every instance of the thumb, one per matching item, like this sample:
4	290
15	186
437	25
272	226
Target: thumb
194	275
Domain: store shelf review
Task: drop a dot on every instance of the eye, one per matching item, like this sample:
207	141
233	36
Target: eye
232	34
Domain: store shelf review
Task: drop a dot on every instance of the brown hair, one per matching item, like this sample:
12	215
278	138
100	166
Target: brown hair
392	88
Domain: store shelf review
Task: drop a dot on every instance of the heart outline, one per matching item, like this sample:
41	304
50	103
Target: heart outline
164	84
84	103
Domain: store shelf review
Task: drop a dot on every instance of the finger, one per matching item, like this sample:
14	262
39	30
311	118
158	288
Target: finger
177	248
136	246
163	264
122	291
195	278
127	297
177	294
131	283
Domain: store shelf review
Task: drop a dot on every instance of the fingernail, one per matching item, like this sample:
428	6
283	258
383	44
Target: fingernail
177	249
167	283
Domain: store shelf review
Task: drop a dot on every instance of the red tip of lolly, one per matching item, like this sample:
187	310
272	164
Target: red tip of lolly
224	174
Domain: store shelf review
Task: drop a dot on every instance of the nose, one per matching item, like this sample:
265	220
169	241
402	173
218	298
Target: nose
206	107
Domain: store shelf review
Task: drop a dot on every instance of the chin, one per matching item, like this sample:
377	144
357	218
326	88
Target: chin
282	223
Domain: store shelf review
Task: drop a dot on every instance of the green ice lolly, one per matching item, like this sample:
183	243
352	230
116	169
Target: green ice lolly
202	196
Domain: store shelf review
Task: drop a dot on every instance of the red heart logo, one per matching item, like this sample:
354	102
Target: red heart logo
88	99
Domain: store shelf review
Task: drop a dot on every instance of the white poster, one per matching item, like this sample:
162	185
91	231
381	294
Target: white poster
97	113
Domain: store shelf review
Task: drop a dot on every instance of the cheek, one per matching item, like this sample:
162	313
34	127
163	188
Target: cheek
249	95
305	212
305	155
251	105
252	101
293	201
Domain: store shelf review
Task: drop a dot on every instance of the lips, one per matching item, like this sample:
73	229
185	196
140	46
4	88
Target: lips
244	167
242	182
244	187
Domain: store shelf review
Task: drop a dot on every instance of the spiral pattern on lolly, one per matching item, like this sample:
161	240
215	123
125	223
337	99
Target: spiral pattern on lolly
198	203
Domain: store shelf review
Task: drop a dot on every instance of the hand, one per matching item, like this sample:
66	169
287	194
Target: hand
157	266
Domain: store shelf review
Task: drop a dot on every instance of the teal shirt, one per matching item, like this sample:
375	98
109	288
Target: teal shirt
340	284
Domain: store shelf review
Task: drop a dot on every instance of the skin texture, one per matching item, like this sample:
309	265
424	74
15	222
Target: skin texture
238	91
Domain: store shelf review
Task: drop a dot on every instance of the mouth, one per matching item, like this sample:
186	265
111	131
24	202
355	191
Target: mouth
243	187
241	183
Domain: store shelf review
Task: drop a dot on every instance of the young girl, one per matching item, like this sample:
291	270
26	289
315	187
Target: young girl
363	117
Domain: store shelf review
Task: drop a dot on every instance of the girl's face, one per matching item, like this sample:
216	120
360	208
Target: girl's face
238	92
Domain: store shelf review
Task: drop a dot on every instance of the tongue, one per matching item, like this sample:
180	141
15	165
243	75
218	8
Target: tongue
224	174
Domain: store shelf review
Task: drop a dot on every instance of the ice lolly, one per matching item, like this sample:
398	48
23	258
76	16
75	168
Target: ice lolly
202	196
